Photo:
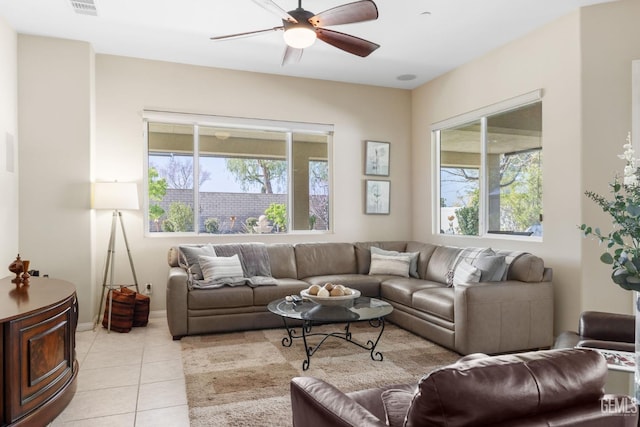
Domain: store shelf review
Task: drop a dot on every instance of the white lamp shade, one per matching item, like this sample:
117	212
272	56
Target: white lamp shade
115	195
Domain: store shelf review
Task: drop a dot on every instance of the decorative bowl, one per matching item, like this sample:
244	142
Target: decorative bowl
341	300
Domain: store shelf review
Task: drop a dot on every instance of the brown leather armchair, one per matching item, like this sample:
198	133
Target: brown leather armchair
598	329
552	387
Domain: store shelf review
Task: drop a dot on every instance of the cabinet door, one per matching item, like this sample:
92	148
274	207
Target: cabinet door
41	357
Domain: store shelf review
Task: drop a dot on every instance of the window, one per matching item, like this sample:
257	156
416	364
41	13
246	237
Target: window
490	170
222	175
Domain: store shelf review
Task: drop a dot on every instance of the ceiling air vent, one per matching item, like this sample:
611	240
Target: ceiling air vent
84	7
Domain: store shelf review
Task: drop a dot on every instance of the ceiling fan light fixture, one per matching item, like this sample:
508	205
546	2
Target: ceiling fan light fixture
299	37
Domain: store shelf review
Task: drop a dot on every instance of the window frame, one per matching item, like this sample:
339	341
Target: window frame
206	120
480	115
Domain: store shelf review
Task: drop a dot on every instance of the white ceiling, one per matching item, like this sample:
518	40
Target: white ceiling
426	45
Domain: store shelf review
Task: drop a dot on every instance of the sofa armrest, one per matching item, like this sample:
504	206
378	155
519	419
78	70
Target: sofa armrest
315	403
177	292
497	317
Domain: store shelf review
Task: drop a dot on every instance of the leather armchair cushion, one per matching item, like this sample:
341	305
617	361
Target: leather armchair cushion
497	389
396	404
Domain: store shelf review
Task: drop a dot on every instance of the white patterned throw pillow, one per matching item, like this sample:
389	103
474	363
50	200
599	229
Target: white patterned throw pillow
390	265
216	268
466	273
413	257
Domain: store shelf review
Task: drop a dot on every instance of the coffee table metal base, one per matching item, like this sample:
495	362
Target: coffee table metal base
307	327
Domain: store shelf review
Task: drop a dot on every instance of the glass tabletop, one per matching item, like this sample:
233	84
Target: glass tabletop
362	308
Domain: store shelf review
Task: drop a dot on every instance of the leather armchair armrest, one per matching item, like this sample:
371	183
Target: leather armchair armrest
608	345
597	325
315	403
496	317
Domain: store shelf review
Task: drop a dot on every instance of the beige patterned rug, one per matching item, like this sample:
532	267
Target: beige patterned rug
242	378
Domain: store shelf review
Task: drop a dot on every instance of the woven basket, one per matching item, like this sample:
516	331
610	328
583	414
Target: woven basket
122	309
141	308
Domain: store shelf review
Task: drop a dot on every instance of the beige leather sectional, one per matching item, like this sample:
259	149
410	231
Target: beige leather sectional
513	313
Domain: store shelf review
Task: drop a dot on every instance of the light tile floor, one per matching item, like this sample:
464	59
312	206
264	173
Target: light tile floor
128	380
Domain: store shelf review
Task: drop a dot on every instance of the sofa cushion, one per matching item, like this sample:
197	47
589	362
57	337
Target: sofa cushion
363	252
263	295
426	251
401	290
283	260
437	301
188	258
441	263
225	297
492	390
319	259
393	265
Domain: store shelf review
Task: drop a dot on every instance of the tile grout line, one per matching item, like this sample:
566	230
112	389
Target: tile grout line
144	348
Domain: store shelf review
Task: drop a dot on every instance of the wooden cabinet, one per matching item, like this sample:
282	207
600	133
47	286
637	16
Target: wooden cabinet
38	350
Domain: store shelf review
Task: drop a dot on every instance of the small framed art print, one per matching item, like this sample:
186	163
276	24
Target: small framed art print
376	158
377	196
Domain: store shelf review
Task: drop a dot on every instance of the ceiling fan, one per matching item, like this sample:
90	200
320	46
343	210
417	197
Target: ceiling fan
301	28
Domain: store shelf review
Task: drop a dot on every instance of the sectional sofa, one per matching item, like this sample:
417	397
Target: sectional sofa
467	299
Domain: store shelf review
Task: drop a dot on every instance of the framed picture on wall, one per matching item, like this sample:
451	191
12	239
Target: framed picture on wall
377	197
376	158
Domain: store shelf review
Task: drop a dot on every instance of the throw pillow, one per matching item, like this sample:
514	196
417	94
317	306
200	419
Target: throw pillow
413	267
466	273
492	267
188	258
471	254
216	268
396	405
391	265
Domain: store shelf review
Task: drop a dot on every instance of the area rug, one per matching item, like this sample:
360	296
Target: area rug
242	378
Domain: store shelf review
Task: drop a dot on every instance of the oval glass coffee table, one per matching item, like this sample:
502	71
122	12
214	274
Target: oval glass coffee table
311	313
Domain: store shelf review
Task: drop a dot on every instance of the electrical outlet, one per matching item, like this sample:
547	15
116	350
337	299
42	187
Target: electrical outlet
148	289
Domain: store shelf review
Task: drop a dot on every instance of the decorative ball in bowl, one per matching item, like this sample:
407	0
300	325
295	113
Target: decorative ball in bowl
330	294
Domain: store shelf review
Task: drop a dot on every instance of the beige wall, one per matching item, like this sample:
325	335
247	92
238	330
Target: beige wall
582	62
8	132
125	86
610	35
54	98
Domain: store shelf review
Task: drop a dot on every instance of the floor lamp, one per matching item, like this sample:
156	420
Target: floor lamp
115	196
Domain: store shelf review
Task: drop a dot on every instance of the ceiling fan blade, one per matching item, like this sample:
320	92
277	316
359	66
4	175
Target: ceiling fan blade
346	42
270	6
359	11
291	55
247	34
